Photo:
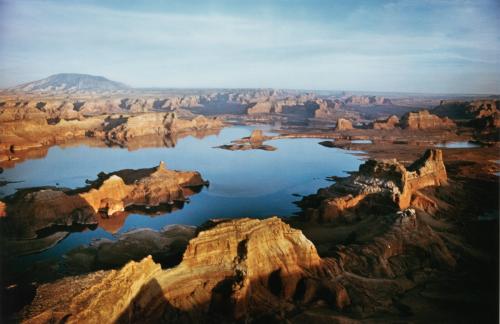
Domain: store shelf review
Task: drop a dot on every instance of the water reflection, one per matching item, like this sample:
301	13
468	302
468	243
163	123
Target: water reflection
464	144
251	183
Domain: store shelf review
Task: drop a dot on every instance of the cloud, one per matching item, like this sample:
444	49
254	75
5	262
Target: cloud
394	45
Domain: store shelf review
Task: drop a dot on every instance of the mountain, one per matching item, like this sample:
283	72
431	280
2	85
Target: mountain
72	82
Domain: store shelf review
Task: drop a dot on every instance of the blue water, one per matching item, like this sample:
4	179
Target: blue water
464	144
242	183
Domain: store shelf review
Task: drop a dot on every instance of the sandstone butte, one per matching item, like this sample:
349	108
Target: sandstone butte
30	210
425	120
343	124
226	269
243	269
389	123
387	181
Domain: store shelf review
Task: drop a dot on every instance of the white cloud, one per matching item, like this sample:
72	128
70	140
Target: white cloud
365	48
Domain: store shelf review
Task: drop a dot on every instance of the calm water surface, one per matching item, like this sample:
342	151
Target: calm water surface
242	183
464	144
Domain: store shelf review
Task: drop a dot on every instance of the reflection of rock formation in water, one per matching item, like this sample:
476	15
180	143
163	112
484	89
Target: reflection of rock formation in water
254	142
28	132
159	124
31	210
387	184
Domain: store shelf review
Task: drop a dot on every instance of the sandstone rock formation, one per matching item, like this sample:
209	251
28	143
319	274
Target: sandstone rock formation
385	182
328	109
249	270
238	268
465	110
483	115
387	124
343	124
160	124
254	142
425	120
31	210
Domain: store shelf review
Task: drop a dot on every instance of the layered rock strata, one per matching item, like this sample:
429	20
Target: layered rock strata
249	270
234	269
160	124
386	181
425	120
31	210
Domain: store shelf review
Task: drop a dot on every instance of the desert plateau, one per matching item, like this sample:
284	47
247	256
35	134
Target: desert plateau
221	174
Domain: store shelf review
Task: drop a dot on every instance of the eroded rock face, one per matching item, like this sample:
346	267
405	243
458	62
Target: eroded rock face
31	210
248	270
344	124
425	120
389	123
386	181
157	124
234	269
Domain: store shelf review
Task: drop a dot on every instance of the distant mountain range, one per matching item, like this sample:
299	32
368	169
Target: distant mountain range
71	82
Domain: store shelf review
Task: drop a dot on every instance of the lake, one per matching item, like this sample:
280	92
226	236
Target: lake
252	183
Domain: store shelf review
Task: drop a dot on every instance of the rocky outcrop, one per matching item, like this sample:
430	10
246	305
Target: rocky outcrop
466	110
328	109
237	269
24	134
385	183
26	127
254	142
250	270
32	210
483	115
343	124
159	124
425	120
387	124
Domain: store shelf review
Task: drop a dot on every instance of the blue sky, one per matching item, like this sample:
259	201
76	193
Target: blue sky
440	46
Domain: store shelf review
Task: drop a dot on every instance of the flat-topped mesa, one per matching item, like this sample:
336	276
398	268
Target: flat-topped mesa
237	268
386	180
160	124
425	120
33	209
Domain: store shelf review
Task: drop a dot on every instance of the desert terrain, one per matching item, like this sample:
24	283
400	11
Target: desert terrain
408	233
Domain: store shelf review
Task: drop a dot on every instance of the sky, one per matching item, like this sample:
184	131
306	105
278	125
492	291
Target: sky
429	46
